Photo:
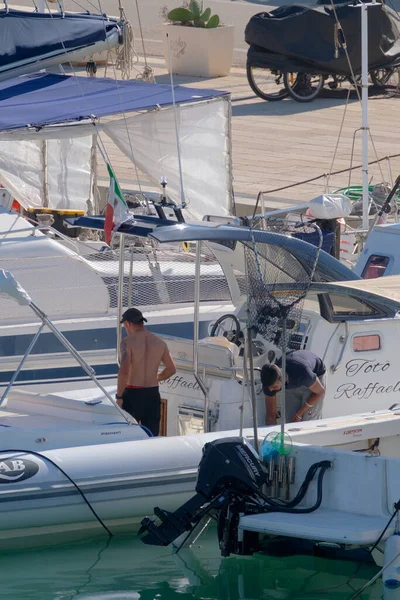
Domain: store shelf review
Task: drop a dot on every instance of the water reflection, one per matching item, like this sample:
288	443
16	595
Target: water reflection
125	569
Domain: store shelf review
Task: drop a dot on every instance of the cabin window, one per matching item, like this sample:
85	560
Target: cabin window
348	306
363	343
375	267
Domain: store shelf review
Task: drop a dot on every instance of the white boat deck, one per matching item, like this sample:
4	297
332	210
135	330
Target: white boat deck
279	144
358	489
42	432
323	525
14	419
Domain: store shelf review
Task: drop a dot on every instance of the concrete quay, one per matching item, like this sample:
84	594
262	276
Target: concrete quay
274	144
278	144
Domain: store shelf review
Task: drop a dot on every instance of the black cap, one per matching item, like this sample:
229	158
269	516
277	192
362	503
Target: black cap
133	315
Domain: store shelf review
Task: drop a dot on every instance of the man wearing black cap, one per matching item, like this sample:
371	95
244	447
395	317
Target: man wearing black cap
305	386
142	353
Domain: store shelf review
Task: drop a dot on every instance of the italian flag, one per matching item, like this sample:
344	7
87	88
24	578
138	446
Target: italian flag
117	210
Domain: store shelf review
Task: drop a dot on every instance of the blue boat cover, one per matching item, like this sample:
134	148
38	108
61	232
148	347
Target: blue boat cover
39	100
27	37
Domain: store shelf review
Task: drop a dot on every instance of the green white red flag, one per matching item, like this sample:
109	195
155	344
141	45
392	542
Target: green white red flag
117	210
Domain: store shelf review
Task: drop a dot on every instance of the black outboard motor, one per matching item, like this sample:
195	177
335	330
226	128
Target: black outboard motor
229	463
229	482
230	473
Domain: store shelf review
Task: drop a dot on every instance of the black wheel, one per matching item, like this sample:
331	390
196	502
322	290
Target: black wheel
227	326
337	81
265	83
383	77
303	87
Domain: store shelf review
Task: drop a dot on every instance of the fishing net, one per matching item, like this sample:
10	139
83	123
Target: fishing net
278	279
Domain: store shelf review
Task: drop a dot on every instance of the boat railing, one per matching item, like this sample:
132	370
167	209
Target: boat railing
63	236
45	228
234	369
77	278
12	288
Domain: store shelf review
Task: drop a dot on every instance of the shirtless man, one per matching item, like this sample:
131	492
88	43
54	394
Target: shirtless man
142	353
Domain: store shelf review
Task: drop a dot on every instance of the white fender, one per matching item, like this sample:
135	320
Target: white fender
391	574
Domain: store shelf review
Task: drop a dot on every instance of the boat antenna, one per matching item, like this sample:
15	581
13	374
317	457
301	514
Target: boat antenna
183	203
163	193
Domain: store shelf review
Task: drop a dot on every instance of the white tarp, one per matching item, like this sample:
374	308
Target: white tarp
330	206
68	184
149	140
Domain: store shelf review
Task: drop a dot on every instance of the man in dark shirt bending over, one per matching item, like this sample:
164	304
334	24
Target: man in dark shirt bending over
305	386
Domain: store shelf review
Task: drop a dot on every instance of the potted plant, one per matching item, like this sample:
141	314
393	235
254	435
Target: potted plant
196	43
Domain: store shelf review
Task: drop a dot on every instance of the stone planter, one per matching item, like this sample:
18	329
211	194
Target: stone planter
198	51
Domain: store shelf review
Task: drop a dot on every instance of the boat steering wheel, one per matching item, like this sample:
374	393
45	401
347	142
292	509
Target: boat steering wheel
232	333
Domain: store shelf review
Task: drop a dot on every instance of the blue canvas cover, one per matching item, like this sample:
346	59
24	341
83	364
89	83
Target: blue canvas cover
27	37
46	99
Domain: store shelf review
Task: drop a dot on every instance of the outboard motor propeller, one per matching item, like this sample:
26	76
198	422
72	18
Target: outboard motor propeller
230	473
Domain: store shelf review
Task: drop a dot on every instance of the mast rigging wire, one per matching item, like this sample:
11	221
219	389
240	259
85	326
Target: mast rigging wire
85	99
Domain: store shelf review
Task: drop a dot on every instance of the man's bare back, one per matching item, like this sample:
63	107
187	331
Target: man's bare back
142	353
145	352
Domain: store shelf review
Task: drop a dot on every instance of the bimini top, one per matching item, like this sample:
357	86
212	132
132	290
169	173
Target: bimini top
39	100
290	249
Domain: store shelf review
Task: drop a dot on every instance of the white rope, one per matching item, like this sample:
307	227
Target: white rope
125	55
147	74
338	139
98	132
126	124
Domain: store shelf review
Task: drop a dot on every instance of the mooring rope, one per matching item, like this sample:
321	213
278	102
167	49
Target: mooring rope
311	179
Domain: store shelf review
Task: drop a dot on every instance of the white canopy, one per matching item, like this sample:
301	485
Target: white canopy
52	166
53	173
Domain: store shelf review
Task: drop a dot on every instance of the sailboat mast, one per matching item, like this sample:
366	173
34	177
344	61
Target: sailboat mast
364	108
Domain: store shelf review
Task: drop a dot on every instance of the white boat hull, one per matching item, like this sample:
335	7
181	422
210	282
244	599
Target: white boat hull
123	481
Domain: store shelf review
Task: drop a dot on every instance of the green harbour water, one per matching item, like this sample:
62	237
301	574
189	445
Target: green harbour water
122	568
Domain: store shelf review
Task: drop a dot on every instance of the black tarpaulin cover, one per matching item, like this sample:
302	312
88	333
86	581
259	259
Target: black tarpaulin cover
300	37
